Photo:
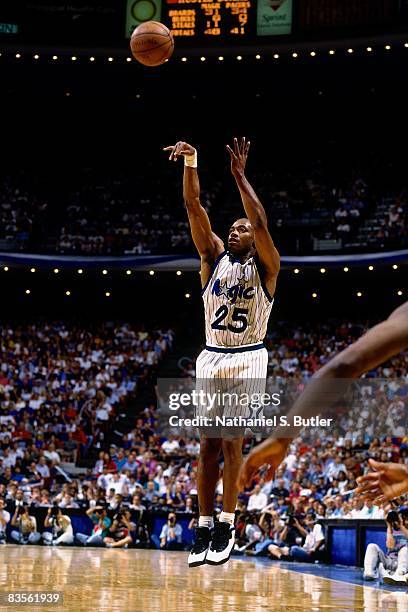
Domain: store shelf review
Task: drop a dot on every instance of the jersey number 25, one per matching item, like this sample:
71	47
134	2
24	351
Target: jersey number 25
239	315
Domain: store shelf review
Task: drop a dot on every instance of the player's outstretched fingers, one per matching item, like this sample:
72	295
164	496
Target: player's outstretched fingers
231	152
369	491
380	500
174	153
370	477
377	465
171	148
177	150
369	485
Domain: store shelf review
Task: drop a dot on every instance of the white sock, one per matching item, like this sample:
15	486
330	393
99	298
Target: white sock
227	517
206	521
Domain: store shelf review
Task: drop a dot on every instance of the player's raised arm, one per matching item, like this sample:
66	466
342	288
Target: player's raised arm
208	244
377	345
266	250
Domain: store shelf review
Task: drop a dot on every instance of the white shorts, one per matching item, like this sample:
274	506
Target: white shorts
233	375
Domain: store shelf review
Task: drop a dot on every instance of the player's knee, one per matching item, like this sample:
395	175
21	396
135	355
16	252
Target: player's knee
232	449
372	549
210	447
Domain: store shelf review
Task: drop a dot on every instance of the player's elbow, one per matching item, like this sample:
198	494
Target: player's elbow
191	202
259	222
345	366
276	263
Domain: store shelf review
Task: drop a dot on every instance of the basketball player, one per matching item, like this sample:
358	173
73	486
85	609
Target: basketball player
238	285
380	343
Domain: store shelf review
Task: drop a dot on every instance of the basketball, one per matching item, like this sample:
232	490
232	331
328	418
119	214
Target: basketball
152	43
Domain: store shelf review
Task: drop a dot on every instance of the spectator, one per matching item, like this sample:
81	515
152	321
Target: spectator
396	559
271	526
27	527
42	468
170	536
60	524
52	454
257	500
170	446
122	532
118	482
314	540
288	537
137	503
102	524
371	511
4	520
280	489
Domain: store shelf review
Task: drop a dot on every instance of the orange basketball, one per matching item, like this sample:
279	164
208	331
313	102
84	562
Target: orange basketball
152	43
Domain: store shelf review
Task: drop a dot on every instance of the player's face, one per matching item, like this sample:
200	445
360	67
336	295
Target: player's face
240	237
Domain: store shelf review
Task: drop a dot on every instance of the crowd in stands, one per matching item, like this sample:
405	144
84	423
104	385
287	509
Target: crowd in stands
61	387
125	213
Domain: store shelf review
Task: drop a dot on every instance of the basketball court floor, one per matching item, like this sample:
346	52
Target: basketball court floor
92	579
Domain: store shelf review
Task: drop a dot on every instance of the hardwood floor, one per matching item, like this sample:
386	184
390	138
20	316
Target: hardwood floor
135	580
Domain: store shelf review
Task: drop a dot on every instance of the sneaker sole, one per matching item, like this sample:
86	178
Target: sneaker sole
209	562
388	580
197	563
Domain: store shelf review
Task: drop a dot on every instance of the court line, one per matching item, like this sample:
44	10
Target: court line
382	587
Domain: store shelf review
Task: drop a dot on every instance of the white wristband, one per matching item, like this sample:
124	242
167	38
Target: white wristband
191	160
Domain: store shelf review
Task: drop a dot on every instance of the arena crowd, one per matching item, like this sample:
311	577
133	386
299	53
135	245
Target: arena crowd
126	213
62	387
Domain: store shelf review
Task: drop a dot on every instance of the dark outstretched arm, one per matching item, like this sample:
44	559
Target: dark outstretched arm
207	243
376	346
266	250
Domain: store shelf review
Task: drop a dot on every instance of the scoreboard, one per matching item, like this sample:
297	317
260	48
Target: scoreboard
201	23
257	20
211	19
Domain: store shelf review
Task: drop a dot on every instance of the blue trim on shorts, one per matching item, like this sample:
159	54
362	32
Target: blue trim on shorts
233	349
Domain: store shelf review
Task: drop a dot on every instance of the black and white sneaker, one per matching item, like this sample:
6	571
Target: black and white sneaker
222	543
396	578
200	547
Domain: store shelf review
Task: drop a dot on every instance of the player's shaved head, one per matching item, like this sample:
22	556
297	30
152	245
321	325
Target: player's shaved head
243	220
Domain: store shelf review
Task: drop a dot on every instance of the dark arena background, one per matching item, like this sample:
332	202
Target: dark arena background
101	296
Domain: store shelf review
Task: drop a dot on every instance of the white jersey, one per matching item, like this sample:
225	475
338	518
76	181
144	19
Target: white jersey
237	304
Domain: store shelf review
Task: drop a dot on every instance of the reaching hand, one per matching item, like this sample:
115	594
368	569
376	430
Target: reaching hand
180	148
238	156
271	452
386	482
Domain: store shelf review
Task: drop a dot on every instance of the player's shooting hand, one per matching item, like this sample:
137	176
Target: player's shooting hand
387	481
238	155
180	148
270	452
